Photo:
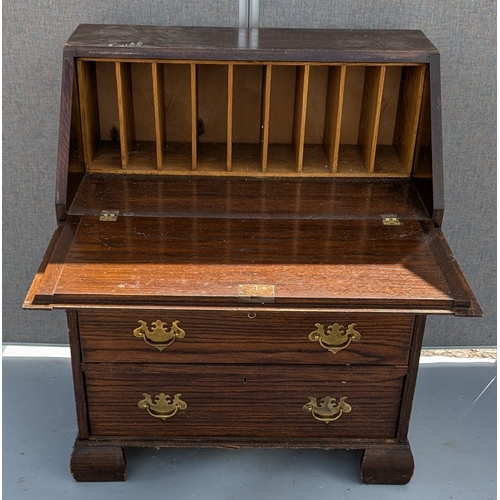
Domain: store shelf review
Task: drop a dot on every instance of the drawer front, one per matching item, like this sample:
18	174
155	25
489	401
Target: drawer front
182	336
244	401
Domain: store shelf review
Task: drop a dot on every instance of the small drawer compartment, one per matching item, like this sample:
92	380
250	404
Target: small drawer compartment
244	336
241	401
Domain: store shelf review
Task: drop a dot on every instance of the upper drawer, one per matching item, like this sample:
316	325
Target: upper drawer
244	336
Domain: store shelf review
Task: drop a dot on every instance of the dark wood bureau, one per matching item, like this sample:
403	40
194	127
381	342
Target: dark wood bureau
248	239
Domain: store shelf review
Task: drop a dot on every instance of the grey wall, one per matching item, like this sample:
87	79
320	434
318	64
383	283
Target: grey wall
463	30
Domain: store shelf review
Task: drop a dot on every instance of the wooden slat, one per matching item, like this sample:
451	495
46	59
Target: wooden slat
229	141
370	114
194	118
299	118
159	110
125	110
87	89
265	115
333	119
410	102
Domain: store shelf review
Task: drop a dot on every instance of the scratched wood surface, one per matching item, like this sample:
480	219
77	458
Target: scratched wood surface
257	401
251	45
248	197
204	260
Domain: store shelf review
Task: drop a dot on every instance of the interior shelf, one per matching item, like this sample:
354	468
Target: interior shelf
260	119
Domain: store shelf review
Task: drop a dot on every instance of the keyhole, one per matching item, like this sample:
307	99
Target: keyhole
245	380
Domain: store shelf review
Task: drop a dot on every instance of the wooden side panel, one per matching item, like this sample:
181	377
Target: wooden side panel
159	111
299	118
370	114
334	107
70	156
78	378
428	164
411	378
87	89
410	102
436	139
125	110
265	114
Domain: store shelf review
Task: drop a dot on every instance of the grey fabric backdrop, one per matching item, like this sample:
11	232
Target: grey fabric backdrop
463	30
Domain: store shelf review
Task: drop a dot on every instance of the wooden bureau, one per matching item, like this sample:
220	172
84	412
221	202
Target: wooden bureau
248	239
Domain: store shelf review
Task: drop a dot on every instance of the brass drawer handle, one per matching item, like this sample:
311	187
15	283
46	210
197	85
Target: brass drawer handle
327	410
159	336
335	339
163	407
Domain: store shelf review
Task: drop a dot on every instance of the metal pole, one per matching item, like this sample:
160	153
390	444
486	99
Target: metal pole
243	14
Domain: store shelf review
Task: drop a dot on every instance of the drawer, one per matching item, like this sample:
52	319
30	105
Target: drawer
244	401
244	336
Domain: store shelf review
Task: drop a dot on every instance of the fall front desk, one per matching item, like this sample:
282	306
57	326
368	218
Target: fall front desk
248	239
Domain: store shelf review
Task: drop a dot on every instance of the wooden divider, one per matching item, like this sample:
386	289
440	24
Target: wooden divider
265	114
194	117
370	114
229	129
125	110
312	137
333	118
407	119
159	111
89	111
299	118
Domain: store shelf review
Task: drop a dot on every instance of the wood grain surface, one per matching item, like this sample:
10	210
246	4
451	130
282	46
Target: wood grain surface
310	262
91	463
387	466
248	197
269	44
243	337
256	400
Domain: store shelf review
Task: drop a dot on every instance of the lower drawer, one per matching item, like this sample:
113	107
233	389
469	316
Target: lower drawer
244	401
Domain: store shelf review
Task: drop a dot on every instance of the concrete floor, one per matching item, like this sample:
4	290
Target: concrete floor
453	437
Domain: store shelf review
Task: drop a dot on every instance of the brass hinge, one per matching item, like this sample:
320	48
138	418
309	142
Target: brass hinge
108	215
256	294
390	220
